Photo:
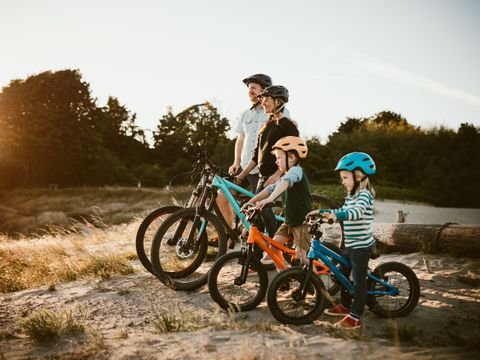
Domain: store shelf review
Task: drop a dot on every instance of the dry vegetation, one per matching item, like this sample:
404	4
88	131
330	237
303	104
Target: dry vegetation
90	298
65	255
32	212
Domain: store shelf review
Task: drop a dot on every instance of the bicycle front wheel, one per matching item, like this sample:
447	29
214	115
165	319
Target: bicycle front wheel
404	279
183	267
285	301
147	230
227	288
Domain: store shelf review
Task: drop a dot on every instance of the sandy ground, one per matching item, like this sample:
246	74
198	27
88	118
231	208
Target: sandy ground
119	315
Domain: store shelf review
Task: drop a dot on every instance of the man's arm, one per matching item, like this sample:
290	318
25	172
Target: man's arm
233	169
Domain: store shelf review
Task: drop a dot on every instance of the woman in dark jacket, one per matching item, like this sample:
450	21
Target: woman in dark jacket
273	100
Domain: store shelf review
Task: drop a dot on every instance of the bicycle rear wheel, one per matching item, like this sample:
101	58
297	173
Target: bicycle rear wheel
184	268
402	277
147	230
224	282
285	301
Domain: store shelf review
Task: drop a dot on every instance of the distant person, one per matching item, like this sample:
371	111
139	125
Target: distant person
294	188
273	100
357	215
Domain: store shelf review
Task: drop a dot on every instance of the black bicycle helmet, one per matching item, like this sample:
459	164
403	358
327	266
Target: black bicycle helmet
260	79
276	92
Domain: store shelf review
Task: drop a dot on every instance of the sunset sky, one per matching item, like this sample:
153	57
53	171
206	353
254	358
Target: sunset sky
339	59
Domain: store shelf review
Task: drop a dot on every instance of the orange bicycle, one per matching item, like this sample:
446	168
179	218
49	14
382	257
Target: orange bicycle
239	281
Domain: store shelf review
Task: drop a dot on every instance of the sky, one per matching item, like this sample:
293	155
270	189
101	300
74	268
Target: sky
338	59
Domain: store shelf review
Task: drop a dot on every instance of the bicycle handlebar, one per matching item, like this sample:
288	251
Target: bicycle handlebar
320	220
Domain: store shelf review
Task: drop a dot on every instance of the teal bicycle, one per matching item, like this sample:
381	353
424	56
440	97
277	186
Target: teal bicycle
182	253
298	295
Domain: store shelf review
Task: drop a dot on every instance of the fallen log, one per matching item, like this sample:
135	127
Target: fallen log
459	240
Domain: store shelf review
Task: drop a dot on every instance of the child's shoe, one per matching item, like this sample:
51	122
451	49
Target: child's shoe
348	323
338	310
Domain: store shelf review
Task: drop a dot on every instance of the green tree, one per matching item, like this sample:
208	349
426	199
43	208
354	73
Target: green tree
48	121
180	135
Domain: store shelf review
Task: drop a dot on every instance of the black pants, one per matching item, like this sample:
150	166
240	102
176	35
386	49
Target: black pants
268	217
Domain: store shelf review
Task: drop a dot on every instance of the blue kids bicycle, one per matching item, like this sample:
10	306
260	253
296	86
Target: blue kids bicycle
298	296
182	252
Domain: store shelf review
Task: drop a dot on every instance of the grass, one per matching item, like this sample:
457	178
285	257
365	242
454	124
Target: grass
343	333
403	332
469	338
64	254
46	325
186	319
28	211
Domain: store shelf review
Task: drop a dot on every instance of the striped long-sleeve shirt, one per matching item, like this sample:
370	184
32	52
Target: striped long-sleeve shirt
357	216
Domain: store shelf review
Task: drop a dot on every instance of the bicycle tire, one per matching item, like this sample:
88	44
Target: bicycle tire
146	231
378	303
222	279
281	297
195	272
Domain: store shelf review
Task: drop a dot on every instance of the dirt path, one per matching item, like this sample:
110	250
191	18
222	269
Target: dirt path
122	316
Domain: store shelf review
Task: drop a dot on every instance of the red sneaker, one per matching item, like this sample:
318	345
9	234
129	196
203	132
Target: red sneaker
348	323
338	310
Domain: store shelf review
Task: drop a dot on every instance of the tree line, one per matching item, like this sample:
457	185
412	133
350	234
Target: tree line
53	131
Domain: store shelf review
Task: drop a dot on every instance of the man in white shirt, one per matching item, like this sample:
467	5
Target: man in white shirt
247	129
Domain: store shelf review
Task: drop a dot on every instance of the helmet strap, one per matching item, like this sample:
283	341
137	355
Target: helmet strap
279	109
255	105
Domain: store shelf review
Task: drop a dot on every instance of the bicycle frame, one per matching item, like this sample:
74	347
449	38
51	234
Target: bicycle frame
255	236
225	186
319	251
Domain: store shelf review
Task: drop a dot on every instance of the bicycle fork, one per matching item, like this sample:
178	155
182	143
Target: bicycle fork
245	261
307	276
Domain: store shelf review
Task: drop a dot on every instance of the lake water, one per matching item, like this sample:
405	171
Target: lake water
386	212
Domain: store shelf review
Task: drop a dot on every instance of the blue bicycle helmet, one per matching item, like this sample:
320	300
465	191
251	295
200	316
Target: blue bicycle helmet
357	160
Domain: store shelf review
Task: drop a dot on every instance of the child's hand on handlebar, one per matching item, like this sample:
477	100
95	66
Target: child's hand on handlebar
262	203
245	206
312	214
329	216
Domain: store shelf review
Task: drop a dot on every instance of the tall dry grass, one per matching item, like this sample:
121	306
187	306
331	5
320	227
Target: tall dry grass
25	211
66	254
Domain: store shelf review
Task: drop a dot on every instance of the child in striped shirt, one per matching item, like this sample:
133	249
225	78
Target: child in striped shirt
357	215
